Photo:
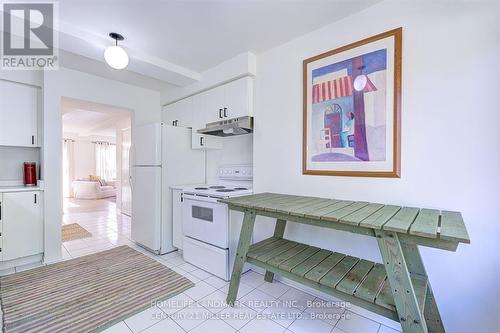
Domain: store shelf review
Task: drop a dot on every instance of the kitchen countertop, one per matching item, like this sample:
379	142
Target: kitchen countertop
19	188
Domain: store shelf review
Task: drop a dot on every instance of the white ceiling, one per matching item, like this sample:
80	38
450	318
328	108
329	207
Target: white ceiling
174	40
91	119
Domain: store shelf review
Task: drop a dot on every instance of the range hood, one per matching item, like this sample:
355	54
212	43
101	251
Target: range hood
229	127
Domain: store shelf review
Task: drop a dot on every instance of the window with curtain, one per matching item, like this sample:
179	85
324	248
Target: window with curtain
105	157
68	167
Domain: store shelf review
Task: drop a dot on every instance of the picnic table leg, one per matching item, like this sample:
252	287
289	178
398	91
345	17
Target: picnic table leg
416	266
279	230
398	275
241	255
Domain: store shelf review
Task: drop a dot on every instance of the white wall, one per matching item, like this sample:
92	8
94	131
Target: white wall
231	69
12	162
236	150
450	141
145	107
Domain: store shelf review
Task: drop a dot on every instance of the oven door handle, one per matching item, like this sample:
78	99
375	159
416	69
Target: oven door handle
188	196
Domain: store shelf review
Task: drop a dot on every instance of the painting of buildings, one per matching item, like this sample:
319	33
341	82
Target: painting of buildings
349	109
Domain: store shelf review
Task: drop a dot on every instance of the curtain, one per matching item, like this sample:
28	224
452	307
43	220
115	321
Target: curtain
68	167
105	157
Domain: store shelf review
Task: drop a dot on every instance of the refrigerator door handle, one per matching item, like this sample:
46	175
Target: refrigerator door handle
130	166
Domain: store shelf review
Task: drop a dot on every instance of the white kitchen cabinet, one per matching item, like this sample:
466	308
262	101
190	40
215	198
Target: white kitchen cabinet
18	114
22	224
203	106
177	234
179	113
238	98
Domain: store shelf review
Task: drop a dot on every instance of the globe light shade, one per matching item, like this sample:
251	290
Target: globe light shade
360	82
116	57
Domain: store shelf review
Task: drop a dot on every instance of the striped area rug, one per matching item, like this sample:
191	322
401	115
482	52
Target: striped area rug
86	294
73	231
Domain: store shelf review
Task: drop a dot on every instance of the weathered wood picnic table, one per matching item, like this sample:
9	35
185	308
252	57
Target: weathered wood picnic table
398	289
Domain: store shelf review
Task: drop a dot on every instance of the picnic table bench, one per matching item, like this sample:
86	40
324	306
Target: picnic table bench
398	288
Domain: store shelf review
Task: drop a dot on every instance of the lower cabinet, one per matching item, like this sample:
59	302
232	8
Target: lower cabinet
202	141
21	224
177	218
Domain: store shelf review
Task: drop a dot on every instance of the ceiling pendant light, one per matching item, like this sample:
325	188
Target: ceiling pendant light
115	56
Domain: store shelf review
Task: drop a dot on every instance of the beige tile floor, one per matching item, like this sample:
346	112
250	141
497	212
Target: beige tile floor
263	307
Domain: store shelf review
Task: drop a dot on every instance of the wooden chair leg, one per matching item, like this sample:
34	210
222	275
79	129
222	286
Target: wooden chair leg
416	266
410	316
279	230
241	255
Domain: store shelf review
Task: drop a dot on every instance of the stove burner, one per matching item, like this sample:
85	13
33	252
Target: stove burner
240	188
226	190
217	186
201	188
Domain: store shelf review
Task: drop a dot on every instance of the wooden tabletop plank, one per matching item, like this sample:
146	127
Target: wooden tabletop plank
337	273
354	277
356	217
271	203
303	204
340	213
285	208
426	223
320	270
325	209
248	201
301	211
402	220
453	227
328	209
380	217
369	288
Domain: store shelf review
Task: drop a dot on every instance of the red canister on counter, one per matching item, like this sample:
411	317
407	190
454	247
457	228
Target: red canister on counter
29	174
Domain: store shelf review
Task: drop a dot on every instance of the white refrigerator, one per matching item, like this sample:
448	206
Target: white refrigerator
161	156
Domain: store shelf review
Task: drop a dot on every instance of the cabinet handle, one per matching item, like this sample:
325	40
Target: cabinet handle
201	141
35	198
32	139
182	198
225	114
173	123
220	113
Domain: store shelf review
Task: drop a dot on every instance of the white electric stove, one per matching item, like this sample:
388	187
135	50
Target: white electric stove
211	230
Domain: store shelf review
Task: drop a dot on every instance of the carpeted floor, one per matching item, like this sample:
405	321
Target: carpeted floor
86	294
74	231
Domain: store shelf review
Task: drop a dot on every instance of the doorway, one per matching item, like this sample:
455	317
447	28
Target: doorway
96	143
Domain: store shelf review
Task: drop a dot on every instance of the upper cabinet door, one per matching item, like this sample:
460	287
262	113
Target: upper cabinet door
238	98
18	114
179	113
213	101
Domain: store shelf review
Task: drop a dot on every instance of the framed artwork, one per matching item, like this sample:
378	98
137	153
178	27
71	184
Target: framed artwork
352	109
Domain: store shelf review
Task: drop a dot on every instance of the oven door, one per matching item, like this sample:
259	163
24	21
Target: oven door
205	219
